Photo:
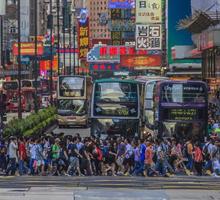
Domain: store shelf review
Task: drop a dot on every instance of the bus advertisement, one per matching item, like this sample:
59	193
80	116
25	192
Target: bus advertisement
115	108
73	97
181	109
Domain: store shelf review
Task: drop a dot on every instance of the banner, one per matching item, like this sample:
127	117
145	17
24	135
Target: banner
149	37
28	49
83	37
25	20
141	61
148	11
122	4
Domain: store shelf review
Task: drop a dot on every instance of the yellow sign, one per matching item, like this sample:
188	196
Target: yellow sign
148	11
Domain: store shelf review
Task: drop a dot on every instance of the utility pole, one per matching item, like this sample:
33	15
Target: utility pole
64	37
51	55
19	61
1	40
2	13
58	34
70	44
35	56
74	38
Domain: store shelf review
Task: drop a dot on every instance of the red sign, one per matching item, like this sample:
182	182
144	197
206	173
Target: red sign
28	49
141	61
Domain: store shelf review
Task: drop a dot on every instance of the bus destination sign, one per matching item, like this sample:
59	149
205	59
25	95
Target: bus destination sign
182	114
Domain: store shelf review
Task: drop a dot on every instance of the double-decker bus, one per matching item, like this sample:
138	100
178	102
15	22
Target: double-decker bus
27	95
147	84
115	108
10	88
73	98
180	109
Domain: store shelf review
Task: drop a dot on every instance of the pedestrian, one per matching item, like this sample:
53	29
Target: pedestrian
39	158
198	159
189	155
3	154
12	154
22	156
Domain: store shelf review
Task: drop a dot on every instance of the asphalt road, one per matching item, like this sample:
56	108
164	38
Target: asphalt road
84	132
176	182
109	188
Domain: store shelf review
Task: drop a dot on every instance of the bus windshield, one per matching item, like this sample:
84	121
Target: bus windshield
116	99
71	86
13	85
183	93
26	83
110	92
71	107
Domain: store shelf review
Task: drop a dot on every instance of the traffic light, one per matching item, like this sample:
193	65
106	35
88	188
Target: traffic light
3	103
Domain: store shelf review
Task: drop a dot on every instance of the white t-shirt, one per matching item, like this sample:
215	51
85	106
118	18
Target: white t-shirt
12	150
129	151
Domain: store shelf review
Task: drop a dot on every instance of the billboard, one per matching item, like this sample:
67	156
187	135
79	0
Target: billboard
122	4
178	37
141	60
28	49
149	37
83	37
112	53
148	11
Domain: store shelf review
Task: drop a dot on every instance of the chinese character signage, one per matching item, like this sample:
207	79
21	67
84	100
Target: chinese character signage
149	37
148	11
104	66
140	60
112	53
83	37
128	4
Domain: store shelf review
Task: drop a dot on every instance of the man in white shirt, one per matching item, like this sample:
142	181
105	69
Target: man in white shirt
12	153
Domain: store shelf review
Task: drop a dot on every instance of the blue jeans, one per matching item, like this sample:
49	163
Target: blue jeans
22	168
189	165
137	165
12	168
160	167
31	163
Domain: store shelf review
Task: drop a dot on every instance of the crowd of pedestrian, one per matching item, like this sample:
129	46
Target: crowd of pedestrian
74	156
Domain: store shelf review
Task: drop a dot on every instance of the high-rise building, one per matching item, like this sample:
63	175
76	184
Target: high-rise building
98	20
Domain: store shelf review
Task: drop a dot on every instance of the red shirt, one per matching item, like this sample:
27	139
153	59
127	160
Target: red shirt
22	151
198	155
